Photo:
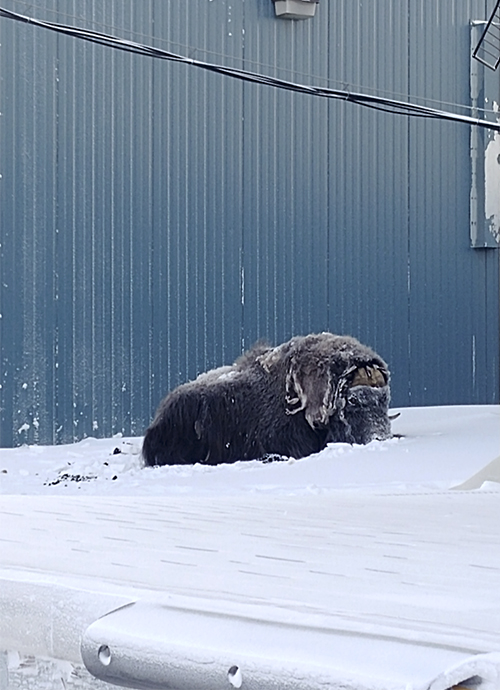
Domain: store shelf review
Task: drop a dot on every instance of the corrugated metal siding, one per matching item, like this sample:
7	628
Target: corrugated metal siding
369	185
452	287
156	219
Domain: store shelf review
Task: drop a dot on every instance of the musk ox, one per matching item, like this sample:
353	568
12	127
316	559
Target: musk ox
289	400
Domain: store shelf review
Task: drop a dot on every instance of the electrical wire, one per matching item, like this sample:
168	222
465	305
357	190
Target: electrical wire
375	102
188	49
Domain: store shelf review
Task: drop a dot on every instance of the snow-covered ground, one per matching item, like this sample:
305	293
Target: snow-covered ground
438	447
359	567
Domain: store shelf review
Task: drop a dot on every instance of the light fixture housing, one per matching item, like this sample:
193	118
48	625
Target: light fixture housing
295	9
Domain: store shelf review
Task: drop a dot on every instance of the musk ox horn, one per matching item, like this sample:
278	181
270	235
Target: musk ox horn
309	388
290	400
368	376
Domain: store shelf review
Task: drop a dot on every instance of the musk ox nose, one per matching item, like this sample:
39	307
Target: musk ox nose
383	432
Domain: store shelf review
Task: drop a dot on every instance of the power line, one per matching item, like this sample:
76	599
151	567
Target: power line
376	102
191	50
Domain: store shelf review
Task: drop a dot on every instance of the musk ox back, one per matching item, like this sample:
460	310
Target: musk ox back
289	400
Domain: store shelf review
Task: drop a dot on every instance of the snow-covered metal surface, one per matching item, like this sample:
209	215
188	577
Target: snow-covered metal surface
147	646
389	588
295	573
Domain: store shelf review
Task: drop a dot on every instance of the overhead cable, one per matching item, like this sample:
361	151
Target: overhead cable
377	102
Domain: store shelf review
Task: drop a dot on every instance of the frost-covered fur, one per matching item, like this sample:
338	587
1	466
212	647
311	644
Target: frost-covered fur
289	400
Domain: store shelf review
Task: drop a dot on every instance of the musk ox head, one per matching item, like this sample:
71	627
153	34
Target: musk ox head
337	382
289	400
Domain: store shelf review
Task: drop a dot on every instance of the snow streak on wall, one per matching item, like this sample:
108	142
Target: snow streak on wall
157	219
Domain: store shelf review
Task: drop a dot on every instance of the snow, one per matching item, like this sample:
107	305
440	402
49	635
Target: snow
360	567
439	448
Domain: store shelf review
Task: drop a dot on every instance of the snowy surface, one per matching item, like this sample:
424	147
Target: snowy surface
439	447
359	567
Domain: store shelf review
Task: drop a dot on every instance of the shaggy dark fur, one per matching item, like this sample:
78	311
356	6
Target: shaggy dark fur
290	400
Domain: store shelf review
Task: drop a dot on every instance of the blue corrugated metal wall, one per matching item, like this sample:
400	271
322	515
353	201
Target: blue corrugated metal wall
156	219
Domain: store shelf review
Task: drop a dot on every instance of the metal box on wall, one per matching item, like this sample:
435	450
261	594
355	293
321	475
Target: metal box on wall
295	9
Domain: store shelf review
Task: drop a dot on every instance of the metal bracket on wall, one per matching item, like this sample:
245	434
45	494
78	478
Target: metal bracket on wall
484	153
487	49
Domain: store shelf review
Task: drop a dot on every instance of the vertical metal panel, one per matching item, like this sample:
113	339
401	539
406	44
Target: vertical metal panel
449	287
156	218
27	271
369	183
285	178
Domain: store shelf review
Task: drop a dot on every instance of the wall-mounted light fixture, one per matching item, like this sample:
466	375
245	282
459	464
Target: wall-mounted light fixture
295	9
